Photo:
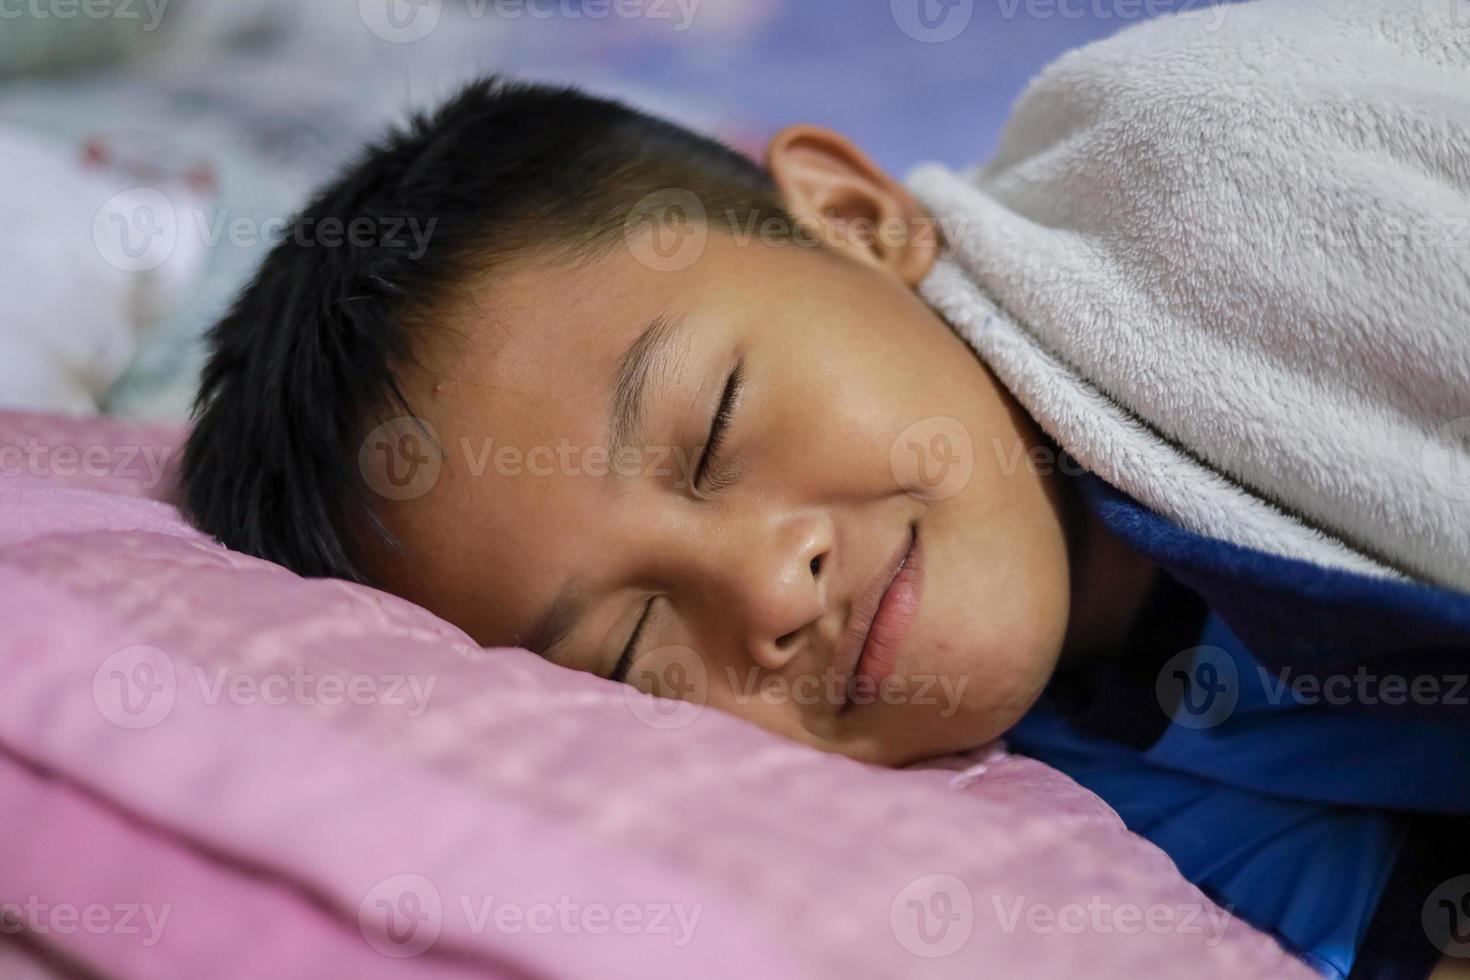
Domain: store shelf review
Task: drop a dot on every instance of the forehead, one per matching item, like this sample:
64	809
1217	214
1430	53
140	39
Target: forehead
534	328
530	351
517	388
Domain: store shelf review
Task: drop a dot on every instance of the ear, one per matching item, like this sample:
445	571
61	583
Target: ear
833	189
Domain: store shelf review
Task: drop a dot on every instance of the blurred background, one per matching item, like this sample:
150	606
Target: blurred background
151	148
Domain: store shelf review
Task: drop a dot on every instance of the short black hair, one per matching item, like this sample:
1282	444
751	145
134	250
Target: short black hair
307	357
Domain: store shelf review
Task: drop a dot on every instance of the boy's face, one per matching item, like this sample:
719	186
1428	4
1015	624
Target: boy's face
860	419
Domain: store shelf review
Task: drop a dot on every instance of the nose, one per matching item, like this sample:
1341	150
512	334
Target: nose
777	578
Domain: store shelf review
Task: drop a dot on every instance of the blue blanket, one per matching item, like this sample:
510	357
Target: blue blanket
1300	746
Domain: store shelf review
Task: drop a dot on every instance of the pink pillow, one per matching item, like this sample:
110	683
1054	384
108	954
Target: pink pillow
271	776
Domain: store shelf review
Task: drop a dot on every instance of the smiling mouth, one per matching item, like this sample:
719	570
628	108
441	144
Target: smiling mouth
883	633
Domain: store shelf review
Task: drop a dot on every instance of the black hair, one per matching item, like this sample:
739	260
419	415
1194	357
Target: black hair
308	356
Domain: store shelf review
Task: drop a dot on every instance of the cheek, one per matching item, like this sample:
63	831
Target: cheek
992	659
982	688
996	612
1021	628
1009	676
857	370
773	704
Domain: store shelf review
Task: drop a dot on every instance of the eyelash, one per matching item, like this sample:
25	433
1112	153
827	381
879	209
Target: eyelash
620	670
708	462
710	458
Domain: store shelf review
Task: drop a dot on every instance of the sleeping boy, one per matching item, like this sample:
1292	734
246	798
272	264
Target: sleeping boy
716	429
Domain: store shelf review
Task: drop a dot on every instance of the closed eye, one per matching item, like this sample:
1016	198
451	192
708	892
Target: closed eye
630	650
708	475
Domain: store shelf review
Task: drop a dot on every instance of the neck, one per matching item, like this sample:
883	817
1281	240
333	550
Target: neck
1109	581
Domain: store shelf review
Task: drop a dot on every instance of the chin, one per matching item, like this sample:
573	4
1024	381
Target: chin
997	692
911	733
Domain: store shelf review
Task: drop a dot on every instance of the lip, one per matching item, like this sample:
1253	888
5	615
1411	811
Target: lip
885	612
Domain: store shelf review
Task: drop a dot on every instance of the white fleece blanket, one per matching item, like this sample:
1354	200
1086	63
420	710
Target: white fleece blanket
1224	260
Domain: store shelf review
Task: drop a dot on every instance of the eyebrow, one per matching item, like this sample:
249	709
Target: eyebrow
645	357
